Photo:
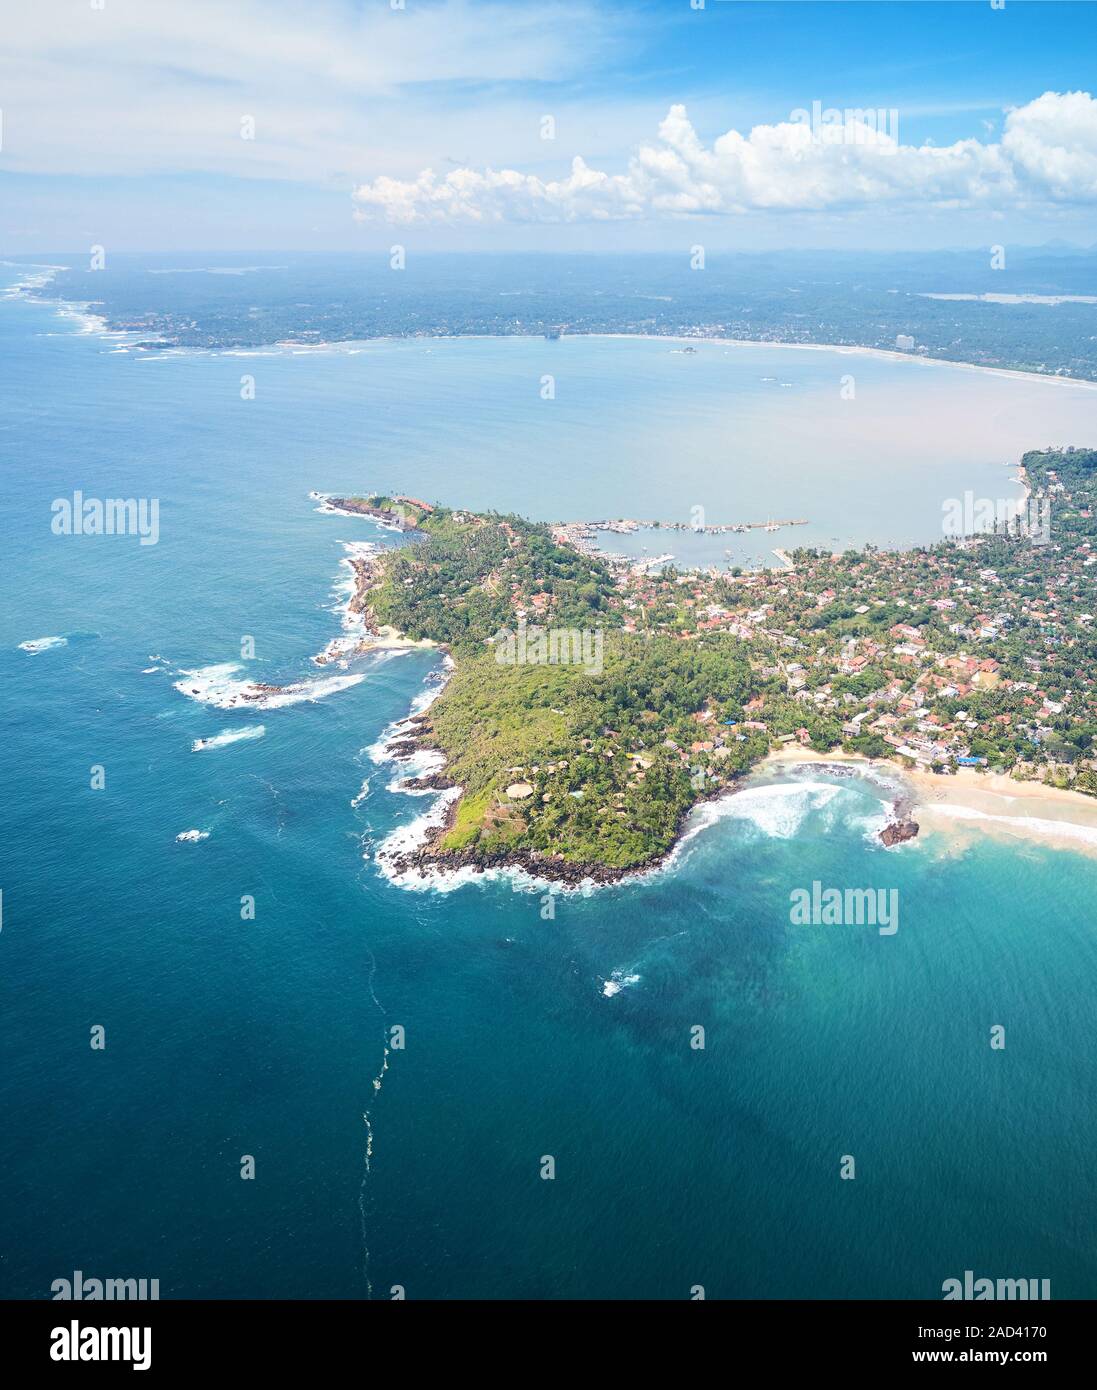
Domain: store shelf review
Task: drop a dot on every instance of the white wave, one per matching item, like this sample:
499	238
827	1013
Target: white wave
1085	834
778	810
306	690
400	729
873	823
216	270
227	736
217	685
338	652
39	276
42	644
363	792
356	630
618	981
328	508
438	880
424	762
406	839
191	836
433	880
360	550
88	322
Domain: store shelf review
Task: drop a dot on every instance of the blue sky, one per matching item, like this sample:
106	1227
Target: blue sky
129	126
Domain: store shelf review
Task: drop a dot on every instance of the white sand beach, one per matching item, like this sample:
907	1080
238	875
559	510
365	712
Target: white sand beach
968	803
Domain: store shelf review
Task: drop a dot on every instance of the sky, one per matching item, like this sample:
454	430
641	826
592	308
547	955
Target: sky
509	125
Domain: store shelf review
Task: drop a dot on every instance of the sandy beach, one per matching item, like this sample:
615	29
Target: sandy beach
969	803
850	349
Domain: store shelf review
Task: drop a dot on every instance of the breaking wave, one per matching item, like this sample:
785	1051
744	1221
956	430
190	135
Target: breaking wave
1040	825
777	811
220	686
618	980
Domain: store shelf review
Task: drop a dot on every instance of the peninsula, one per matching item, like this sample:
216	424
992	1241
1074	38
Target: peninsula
592	705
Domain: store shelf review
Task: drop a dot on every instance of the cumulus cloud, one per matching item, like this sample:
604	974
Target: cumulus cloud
1052	142
1047	154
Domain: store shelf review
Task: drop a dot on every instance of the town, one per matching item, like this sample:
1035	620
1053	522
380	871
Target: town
972	652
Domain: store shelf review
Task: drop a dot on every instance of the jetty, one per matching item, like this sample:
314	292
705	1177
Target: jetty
626	526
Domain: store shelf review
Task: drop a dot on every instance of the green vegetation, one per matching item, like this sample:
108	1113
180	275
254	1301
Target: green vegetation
980	649
607	754
608	757
463	581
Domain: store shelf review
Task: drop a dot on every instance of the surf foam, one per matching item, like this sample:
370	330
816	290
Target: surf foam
42	644
218	685
1040	825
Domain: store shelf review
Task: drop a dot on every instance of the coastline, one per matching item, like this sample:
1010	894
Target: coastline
98	323
362	634
959	806
889	354
414	860
966	804
963	807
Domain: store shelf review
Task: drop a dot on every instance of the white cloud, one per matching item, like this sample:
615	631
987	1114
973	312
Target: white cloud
1052	142
1047	154
337	89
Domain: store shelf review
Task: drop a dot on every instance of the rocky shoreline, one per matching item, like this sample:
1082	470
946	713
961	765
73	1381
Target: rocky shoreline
357	507
428	858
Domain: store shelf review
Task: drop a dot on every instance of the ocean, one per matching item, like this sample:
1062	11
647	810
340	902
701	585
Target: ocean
563	1029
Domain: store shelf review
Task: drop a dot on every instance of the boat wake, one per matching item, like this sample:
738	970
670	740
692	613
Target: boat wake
227	736
36	645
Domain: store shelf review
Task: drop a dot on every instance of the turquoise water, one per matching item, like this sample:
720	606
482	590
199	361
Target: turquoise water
674	1166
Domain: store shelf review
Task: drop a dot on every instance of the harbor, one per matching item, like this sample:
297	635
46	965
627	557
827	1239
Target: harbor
696	548
626	526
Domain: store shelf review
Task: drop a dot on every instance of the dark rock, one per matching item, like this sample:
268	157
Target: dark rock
896	831
436	781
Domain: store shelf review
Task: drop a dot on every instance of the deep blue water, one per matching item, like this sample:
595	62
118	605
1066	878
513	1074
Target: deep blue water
674	1166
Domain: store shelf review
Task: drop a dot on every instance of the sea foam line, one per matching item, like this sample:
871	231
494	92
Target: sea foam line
1071	830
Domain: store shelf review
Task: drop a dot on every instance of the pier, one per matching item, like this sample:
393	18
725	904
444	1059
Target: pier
626	526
